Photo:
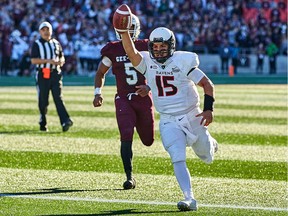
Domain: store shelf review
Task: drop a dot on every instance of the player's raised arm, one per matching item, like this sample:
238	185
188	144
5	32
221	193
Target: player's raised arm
122	21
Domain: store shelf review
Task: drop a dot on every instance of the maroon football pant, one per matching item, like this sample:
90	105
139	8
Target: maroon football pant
137	112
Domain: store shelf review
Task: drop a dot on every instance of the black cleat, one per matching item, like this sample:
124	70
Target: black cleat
67	125
44	128
129	184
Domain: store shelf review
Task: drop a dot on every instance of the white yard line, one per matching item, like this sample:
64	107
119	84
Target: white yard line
141	202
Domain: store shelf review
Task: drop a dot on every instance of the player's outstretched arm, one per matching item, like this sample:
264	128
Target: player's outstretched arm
122	21
134	56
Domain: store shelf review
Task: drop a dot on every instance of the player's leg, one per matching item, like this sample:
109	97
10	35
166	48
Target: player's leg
43	89
206	145
145	120
126	156
174	142
56	89
126	119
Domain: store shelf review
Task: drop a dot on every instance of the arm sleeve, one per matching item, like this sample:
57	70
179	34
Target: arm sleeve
196	75
106	61
35	51
142	67
61	55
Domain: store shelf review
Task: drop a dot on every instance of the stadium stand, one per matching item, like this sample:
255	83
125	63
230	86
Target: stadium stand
84	26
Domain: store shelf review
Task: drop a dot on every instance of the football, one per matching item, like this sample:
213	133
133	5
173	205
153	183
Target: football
122	18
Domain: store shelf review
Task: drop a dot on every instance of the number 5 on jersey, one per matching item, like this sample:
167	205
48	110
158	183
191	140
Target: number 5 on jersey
131	73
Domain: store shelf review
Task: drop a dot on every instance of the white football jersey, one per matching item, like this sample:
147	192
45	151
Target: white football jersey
173	83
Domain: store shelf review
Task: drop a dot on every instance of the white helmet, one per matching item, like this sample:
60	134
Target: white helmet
134	31
162	34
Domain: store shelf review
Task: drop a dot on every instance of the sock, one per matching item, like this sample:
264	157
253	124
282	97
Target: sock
126	155
184	180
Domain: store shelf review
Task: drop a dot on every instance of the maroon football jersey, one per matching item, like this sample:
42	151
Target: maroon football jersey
126	75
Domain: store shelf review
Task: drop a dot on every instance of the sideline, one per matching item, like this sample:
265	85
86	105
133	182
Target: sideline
110	80
63	198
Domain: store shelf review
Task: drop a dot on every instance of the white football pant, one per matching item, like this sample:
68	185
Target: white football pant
178	132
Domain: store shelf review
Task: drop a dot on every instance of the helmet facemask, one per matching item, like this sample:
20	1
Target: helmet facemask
162	35
134	31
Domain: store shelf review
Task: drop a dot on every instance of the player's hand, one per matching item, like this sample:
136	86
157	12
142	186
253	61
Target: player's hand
98	100
142	90
207	117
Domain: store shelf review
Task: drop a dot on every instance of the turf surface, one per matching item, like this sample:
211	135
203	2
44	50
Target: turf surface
80	172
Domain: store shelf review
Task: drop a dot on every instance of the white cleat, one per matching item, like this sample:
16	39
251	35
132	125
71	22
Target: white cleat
187	205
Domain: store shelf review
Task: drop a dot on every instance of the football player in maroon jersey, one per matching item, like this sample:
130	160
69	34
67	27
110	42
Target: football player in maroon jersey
133	103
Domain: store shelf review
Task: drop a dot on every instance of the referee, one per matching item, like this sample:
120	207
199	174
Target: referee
48	57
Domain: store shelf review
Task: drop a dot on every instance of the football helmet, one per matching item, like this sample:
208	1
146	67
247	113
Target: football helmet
134	31
164	35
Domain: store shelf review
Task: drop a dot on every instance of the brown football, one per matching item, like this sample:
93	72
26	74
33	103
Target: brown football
122	18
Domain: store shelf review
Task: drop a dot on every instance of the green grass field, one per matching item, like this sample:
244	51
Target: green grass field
80	172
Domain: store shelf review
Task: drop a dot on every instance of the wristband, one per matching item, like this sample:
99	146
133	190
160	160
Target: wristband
97	91
208	102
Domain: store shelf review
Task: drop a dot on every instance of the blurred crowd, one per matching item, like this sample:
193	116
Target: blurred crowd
84	26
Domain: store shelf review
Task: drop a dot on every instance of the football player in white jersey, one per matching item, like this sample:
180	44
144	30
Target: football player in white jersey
173	76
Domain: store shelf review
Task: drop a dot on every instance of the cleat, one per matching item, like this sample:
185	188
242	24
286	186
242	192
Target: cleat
44	128
129	184
187	205
67	125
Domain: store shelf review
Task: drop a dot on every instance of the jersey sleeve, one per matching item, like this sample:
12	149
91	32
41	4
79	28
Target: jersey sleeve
35	51
107	54
194	73
193	60
61	54
107	50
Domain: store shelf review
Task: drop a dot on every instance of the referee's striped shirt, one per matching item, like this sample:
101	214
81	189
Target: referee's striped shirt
51	49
